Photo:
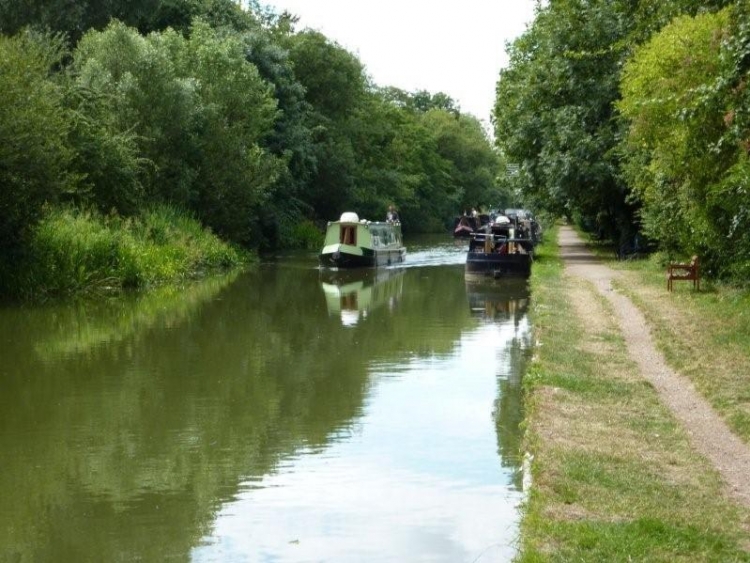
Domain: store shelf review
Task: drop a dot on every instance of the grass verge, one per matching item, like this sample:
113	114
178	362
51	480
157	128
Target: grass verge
704	335
75	252
613	474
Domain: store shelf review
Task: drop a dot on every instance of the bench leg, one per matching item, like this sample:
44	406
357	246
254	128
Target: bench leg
696	283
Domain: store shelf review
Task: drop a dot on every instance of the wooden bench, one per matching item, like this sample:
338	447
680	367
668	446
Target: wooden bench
686	272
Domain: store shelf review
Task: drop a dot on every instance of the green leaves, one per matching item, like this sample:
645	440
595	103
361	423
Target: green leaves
224	112
675	122
553	114
654	160
199	112
34	155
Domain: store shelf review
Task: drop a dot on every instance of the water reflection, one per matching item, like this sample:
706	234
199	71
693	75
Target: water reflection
352	294
92	431
241	420
418	476
498	300
506	301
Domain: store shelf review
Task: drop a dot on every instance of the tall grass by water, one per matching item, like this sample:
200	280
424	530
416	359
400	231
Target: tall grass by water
73	252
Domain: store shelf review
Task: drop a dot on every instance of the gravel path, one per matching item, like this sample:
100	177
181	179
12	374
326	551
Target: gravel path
708	433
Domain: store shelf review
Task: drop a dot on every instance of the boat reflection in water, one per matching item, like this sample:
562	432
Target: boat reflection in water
503	305
498	299
353	294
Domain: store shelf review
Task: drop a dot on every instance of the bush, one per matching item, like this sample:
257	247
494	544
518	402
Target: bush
306	235
75	252
33	129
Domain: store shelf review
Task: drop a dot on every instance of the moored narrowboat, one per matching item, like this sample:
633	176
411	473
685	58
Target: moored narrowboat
497	251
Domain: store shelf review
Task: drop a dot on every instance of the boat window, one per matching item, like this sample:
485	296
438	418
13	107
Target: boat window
348	235
349	301
375	236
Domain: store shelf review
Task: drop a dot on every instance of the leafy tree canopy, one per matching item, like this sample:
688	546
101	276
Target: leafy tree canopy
34	154
677	158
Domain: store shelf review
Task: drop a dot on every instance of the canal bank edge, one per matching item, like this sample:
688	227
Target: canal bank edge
615	475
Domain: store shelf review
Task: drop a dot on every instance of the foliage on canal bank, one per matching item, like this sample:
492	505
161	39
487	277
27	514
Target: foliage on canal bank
224	110
73	252
632	119
614	477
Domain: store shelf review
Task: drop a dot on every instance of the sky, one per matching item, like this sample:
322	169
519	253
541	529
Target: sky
453	47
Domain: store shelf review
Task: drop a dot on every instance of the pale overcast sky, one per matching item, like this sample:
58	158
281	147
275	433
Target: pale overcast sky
457	47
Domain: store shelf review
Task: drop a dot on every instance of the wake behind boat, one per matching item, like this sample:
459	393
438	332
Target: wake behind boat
352	242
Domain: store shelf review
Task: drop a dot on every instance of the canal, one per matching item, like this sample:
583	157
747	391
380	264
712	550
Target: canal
284	414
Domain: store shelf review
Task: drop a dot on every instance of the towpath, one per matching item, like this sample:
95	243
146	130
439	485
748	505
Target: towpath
708	433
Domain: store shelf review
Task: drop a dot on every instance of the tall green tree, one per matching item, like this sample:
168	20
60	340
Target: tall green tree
105	158
179	15
727	199
335	87
199	110
462	141
555	117
383	170
292	137
34	125
399	164
679	162
73	18
139	77
235	173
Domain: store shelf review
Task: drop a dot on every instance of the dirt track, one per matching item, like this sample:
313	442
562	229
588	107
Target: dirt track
708	433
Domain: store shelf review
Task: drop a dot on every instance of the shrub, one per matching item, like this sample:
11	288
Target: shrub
74	252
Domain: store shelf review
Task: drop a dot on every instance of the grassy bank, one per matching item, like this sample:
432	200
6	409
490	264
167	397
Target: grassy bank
614	477
73	252
705	335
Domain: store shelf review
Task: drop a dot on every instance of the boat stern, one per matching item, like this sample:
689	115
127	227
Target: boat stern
345	256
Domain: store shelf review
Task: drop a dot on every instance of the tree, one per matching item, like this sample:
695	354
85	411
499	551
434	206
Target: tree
235	174
73	18
139	78
34	155
555	116
333	78
106	159
292	138
676	160
179	15
462	141
334	84
199	111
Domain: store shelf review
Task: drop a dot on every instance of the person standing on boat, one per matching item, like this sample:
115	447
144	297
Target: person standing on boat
392	215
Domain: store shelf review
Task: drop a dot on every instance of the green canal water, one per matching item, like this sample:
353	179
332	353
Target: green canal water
286	414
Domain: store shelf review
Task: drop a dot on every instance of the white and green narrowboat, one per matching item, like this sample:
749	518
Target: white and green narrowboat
352	242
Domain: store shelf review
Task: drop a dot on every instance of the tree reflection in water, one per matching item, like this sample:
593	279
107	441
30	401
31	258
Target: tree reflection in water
128	425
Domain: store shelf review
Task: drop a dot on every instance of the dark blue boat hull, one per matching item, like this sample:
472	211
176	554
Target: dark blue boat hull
499	265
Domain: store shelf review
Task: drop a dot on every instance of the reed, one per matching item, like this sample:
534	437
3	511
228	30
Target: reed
74	252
